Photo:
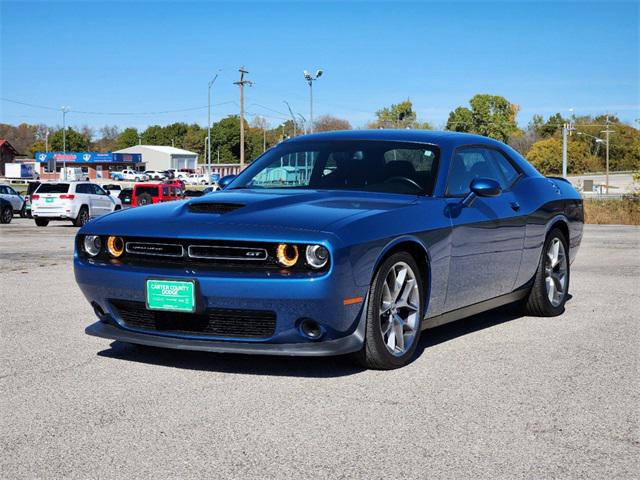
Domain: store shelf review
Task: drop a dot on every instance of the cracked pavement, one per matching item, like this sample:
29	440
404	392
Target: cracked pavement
494	396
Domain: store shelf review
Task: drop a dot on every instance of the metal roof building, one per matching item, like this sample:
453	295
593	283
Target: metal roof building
158	157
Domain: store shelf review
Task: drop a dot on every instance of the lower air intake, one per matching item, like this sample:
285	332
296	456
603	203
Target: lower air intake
214	322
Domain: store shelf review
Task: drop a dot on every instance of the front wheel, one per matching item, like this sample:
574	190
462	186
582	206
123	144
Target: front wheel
394	314
551	283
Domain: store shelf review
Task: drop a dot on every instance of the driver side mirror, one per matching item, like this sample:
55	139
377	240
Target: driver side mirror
481	187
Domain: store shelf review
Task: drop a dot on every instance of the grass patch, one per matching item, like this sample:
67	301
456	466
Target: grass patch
625	211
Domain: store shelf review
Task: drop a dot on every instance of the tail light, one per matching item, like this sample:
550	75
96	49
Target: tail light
35	197
67	197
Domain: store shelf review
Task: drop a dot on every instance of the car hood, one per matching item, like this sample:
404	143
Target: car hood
248	213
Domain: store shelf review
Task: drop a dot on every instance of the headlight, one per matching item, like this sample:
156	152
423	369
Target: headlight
115	246
317	256
92	244
287	255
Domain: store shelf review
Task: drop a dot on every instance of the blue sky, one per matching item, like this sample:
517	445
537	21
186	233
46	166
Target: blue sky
158	56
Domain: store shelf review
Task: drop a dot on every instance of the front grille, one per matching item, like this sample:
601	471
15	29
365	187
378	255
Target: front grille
214	322
211	207
221	252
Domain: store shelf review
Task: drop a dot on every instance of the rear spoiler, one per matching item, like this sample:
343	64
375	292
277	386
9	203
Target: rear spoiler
561	179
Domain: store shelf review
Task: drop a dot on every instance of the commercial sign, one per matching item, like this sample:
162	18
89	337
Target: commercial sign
89	157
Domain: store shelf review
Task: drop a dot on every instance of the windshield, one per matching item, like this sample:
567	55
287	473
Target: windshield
374	166
151	190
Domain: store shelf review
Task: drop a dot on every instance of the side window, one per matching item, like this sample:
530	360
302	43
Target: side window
506	170
11	191
3	190
98	190
470	163
83	188
165	191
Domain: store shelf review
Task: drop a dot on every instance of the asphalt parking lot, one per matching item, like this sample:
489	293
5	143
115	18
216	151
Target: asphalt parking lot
494	396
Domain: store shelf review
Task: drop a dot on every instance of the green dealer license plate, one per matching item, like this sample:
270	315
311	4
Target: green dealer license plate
171	295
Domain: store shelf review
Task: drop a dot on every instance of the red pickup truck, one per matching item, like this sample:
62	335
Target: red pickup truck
148	193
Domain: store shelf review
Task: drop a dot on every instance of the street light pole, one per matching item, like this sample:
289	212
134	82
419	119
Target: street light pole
64	141
293	118
607	131
310	79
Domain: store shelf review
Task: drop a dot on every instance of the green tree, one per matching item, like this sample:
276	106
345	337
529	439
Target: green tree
490	115
328	123
127	138
398	115
76	142
552	126
546	156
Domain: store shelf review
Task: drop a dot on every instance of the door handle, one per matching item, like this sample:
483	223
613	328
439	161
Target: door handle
515	206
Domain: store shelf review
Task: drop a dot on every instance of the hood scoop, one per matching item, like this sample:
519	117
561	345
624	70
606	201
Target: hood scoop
214	207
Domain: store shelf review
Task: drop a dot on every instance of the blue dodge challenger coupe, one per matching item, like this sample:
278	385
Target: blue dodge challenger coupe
335	243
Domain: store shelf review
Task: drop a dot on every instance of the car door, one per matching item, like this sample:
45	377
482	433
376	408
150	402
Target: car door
83	197
101	199
488	234
10	195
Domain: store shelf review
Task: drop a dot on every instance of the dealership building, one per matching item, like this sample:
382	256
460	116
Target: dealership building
94	165
157	157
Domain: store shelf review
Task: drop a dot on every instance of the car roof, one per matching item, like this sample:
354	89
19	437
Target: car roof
422	136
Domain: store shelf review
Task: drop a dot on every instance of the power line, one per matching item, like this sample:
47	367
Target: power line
83	112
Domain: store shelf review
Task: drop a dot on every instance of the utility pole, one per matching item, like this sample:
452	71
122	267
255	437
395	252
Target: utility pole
46	141
241	83
139	139
567	129
211	82
64	141
310	79
607	131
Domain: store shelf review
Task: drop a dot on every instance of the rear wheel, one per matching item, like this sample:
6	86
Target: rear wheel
6	215
82	218
23	211
551	283
42	222
394	314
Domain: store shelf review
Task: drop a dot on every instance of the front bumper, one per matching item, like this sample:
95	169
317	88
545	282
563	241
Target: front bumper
319	298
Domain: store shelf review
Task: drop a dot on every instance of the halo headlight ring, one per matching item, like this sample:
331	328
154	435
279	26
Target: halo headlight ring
115	246
287	255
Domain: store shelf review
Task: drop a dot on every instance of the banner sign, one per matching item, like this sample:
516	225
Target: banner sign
89	157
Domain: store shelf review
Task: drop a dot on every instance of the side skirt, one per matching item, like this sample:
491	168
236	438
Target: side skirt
476	308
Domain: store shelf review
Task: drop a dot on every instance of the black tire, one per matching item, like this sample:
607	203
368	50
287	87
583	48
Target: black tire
6	215
23	211
82	218
538	303
374	353
42	222
144	199
137	179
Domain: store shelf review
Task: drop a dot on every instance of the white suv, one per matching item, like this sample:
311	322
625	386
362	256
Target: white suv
75	201
130	175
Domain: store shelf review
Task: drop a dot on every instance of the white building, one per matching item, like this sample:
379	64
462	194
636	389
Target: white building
163	158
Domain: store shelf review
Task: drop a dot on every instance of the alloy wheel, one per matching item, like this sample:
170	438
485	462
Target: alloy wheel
399	305
7	215
555	270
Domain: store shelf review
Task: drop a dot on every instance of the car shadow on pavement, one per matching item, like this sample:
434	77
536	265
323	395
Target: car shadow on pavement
312	367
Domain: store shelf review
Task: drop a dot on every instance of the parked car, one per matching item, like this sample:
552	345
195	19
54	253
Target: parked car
16	200
31	187
113	189
383	234
176	183
6	211
129	175
156	174
181	174
125	196
198	179
73	174
149	193
193	193
75	201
